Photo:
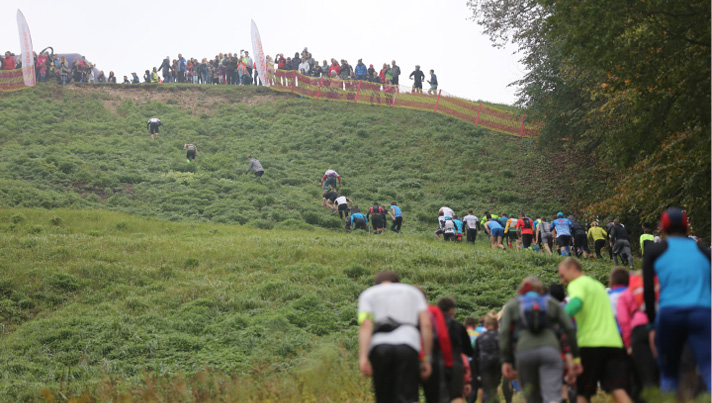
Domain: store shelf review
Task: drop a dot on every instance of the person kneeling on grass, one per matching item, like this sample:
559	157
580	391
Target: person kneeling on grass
191	153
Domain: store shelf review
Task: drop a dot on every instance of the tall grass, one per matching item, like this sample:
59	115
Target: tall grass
91	299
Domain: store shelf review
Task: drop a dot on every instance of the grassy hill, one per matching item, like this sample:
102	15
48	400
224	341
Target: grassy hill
87	147
138	305
250	295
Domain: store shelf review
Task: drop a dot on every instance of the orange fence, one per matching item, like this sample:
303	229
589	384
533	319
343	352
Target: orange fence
12	80
399	96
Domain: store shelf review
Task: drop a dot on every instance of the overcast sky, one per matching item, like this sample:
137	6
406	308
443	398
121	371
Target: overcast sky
132	36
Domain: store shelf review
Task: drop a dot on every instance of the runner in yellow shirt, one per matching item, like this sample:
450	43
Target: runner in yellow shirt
598	235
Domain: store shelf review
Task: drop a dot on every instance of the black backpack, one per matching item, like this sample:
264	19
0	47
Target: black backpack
527	223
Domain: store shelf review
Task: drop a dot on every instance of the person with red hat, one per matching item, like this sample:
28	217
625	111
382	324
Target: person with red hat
683	309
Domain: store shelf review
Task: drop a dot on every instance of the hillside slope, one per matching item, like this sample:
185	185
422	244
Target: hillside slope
130	304
86	147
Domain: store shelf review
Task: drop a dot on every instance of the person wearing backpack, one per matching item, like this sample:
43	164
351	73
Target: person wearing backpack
544	235
510	231
525	229
376	214
448	228
485	360
530	335
394	329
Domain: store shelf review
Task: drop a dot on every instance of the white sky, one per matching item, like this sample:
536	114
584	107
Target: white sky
132	36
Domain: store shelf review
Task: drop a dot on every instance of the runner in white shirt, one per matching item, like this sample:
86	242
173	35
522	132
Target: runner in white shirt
472	224
394	323
342	205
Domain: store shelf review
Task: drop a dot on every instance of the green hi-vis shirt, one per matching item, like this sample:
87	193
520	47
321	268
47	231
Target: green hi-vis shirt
595	321
596	233
643	238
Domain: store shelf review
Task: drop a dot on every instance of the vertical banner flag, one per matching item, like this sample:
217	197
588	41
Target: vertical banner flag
28	60
260	61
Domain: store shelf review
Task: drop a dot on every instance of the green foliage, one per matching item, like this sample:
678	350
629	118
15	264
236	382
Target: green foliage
624	89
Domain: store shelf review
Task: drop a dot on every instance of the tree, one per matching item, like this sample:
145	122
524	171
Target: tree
623	85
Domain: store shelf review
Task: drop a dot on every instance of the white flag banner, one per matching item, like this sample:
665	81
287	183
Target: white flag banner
260	61
28	59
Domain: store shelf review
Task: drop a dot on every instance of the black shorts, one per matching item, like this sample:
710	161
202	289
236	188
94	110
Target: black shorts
190	154
512	235
581	241
259	173
418	84
439	231
154	128
377	221
563	240
527	240
344	207
449	236
607	365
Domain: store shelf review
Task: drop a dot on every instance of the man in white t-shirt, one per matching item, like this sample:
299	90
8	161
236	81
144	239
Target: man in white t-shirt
471	223
389	338
342	206
447	211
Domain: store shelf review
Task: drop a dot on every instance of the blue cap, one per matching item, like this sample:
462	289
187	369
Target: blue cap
559	214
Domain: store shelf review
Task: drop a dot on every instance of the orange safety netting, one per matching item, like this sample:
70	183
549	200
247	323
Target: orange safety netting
399	96
12	80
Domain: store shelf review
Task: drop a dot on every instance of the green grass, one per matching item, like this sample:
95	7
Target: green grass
105	296
130	274
87	147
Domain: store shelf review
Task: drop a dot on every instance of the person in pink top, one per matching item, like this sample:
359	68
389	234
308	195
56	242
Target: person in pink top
633	323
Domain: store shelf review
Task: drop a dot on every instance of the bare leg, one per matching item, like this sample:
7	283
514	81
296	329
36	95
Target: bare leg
620	396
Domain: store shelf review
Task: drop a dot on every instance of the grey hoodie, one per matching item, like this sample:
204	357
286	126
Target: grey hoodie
254	164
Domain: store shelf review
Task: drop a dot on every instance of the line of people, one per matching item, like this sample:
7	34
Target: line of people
564	236
375	216
646	330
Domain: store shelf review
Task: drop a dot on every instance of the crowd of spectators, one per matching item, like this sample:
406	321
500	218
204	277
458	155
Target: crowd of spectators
224	68
238	69
52	67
